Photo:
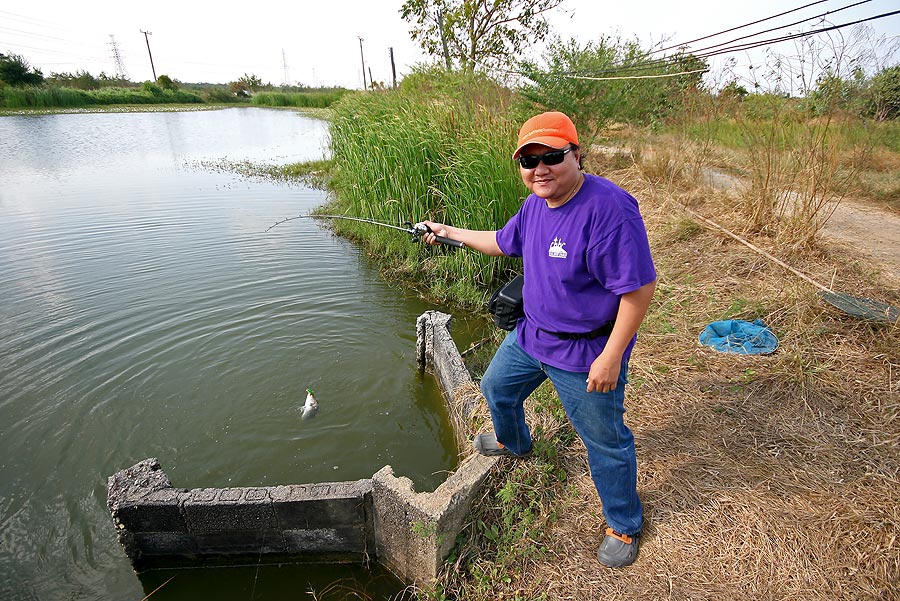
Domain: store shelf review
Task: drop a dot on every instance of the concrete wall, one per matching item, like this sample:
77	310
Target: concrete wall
381	518
159	525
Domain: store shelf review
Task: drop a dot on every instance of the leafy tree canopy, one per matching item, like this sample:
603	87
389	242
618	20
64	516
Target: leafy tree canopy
252	82
609	80
81	80
469	33
166	83
15	71
885	100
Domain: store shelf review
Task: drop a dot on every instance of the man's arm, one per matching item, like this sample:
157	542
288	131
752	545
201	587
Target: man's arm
633	307
481	240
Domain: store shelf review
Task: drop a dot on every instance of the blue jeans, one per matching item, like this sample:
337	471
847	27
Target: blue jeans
598	418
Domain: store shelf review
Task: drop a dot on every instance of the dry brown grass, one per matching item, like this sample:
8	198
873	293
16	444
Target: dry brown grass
772	477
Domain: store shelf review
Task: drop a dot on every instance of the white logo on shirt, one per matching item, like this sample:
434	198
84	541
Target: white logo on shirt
556	249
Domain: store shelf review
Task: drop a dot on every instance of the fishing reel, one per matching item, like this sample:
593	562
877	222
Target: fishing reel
416	230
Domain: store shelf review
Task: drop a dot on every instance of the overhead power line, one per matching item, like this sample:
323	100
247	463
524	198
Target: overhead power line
639	76
794	36
9	32
48	51
712	35
679	58
770	30
710	50
31	20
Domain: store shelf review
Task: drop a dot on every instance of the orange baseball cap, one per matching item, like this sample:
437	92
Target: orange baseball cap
551	129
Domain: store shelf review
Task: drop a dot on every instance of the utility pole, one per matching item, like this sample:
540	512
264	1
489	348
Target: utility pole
365	85
393	68
146	39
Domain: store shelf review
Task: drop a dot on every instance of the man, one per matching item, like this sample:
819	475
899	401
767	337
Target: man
589	279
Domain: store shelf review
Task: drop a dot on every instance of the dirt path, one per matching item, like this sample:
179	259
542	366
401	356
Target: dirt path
874	232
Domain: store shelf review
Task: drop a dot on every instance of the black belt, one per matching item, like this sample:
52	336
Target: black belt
604	330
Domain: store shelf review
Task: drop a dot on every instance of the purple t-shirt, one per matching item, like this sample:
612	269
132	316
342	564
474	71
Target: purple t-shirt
578	260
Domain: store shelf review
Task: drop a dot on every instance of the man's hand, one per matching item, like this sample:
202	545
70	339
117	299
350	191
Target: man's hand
604	374
437	229
480	240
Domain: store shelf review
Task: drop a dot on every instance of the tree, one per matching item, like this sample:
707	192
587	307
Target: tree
734	90
469	33
885	94
81	80
251	81
152	87
239	88
15	71
166	83
595	83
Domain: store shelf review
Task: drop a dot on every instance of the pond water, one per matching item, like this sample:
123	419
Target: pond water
146	312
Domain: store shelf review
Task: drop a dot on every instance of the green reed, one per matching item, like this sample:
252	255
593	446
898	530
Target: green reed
298	99
51	96
40	97
421	153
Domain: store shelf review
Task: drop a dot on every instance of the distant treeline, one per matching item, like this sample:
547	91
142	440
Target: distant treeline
24	87
45	96
55	97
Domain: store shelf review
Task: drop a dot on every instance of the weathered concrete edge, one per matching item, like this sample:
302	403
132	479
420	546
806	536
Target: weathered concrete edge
410	533
162	526
414	532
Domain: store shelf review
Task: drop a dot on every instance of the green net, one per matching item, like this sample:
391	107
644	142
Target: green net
864	308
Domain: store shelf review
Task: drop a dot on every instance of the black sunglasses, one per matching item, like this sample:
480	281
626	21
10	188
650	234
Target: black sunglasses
554	157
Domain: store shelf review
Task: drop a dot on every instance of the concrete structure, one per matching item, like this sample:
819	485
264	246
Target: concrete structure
381	518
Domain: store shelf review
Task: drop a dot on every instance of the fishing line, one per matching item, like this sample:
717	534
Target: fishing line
415	230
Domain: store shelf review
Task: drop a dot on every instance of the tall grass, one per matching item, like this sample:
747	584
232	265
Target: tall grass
800	167
49	96
40	97
298	99
796	166
439	148
728	130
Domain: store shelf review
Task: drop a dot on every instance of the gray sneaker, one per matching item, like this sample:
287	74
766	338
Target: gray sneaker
618	550
487	444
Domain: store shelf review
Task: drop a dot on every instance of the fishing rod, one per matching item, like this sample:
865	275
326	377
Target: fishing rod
415	230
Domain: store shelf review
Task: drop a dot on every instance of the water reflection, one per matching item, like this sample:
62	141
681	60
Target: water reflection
322	582
145	314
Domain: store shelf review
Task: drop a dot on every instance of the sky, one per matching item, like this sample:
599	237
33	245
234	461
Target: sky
318	43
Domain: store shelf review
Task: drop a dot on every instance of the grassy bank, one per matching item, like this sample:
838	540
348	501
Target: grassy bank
298	99
763	477
50	96
47	96
436	149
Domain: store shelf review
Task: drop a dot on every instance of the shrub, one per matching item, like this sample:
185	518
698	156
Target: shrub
151	88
